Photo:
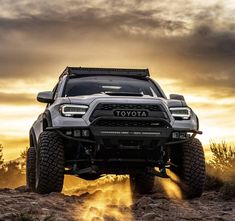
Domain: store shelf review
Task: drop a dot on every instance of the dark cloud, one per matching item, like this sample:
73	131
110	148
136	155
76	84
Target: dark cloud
193	43
30	43
216	44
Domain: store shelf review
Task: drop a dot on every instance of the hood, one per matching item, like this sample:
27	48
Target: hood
90	98
87	100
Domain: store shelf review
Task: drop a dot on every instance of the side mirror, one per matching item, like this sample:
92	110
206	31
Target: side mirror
177	97
45	97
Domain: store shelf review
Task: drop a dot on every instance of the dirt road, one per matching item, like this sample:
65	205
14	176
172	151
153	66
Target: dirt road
111	203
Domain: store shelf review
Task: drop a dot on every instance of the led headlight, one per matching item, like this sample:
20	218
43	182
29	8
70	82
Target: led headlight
183	113
69	110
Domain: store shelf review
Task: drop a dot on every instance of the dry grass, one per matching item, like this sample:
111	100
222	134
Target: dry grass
220	169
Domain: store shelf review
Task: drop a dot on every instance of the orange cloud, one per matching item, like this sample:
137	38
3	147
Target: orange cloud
189	49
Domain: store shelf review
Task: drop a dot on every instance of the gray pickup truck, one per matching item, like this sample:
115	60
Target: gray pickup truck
114	121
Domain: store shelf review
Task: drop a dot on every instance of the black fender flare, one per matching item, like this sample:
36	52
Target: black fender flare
32	138
197	122
46	119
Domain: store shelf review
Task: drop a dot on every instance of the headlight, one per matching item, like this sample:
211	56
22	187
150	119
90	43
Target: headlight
69	110
182	113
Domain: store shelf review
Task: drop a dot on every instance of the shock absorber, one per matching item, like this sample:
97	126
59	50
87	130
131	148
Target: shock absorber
162	167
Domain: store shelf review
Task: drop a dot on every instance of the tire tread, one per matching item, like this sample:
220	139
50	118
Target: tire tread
51	163
31	168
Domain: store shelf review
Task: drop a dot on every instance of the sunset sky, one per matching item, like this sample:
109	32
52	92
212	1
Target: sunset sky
188	45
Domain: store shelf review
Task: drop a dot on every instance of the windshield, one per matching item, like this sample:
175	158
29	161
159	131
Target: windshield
111	85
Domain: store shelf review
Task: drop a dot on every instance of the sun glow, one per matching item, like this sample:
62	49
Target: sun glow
111	201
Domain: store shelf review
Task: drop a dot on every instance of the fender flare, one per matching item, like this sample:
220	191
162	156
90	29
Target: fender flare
32	138
197	122
46	120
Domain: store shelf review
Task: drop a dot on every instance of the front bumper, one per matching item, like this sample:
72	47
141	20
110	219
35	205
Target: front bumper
100	134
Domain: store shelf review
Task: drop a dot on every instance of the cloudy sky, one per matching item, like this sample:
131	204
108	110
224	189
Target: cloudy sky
188	45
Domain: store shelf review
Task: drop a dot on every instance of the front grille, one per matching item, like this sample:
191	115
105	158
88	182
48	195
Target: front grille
150	107
108	110
129	123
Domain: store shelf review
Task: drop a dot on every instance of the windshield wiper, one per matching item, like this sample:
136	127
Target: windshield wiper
123	93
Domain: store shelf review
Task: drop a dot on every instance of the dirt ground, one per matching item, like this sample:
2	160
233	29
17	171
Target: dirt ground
111	202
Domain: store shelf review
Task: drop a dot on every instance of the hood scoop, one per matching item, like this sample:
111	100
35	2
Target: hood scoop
123	94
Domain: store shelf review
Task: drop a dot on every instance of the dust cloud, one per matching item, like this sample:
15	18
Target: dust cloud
171	187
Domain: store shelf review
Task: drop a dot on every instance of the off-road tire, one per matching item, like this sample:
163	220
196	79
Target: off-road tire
142	183
50	163
190	159
31	168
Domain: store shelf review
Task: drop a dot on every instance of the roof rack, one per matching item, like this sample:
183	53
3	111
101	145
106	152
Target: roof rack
84	71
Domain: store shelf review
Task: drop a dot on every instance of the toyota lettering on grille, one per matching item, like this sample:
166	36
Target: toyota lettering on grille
130	113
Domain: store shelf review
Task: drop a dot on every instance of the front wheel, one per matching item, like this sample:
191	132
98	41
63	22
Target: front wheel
50	163
190	159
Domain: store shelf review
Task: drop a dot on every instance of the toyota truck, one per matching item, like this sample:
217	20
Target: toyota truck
100	121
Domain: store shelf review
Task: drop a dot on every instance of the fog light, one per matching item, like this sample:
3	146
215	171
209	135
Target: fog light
77	133
85	133
182	135
175	135
68	133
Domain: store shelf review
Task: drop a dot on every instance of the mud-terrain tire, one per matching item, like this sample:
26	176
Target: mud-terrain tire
142	183
31	168
190	159
50	163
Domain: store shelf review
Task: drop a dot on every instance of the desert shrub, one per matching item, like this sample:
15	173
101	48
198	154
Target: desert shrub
2	170
223	156
23	156
11	174
220	169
